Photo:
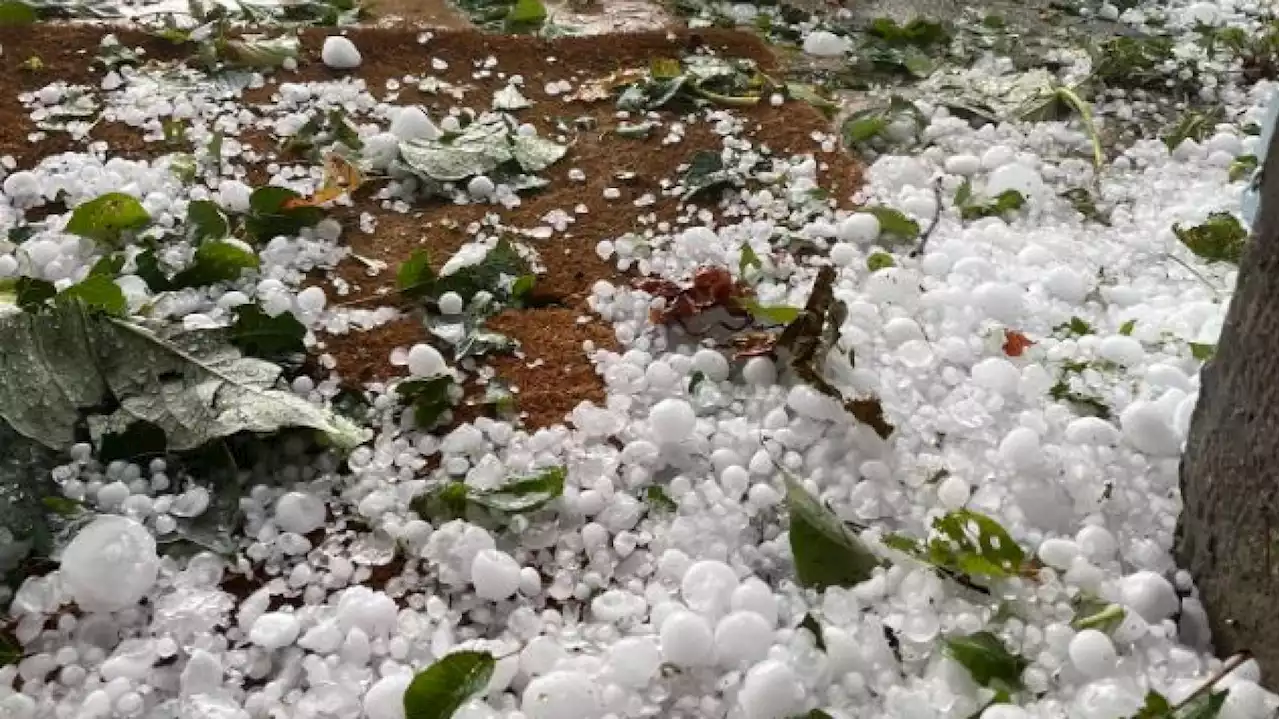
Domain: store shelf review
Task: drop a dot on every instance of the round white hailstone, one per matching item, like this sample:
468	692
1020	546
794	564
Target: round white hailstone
561	695
450	303
771	690
962	165
481	187
1149	429
385	699
902	329
311	300
425	361
998	375
1225	142
1058	553
1091	430
843	254
953	492
707	587
22	184
1092	653
712	364
687	640
1163	375
1122	350
1066	284
634	661
821	43
412	123
760	371
1004	711
1150	595
997	155
1097	543
8	265
1246	700
300	512
672	421
1017	177
1001	301
495	574
809	402
380	150
340	53
753	595
113	494
110	564
18	706
1202	13
274	630
742	638
861	228
1021	448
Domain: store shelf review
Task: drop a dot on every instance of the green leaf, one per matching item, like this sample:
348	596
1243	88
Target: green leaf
526	14
879	261
10	649
442	503
430	398
501	260
192	385
1105	620
857	130
498	396
107	218
810	95
1207	706
258	52
214	262
148	268
269	217
810	624
893	223
975	544
1155	706
205	221
1075	327
1241	167
1006	202
522	287
988	662
415	278
1221	238
98	292
706	172
771	314
258	335
30	293
658	499
108	265
813	714
826	552
1202	352
1193	126
62	506
1082	201
14	13
437	691
1126	329
748	259
964	194
524	495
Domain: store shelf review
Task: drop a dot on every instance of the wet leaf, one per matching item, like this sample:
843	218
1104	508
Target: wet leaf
107	218
14	13
10	649
826	552
810	624
879	261
809	94
1104	620
524	495
108	265
858	129
214	262
30	293
437	691
1220	238
1202	352
270	214
1015	343
970	209
98	293
748	259
526	15
415	278
1082	201
534	153
501	260
147	267
499	397
273	338
260	52
205	221
1193	126
706	172
1074	327
430	398
1126	329
988	662
771	314
894	223
192	385
658	500
1155	706
975	545
1242	167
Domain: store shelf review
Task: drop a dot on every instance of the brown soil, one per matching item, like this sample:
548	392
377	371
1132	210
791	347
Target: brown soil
547	389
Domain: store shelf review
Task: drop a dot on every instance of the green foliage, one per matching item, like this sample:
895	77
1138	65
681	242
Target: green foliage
106	219
1220	238
215	261
10	649
437	691
705	172
14	13
99	293
866	128
1204	706
516	496
1126	329
987	660
1242	167
205	221
879	261
1002	204
525	16
1202	352
1194	125
1082	201
894	225
1074	327
964	542
770	314
748	259
826	552
658	500
271	215
1104	620
500	261
430	398
273	338
415	278
1133	61
810	624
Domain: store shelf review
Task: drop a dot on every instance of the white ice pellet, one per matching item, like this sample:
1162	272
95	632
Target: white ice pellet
385	699
424	360
633	661
340	53
1066	284
495	574
1058	553
1150	595
821	43
480	187
300	512
687	640
561	695
712	364
707	587
672	420
998	375
274	630
110	564
742	637
22	185
1021	448
1015	176
859	228
760	371
450	303
965	165
412	123
1122	350
311	300
771	690
953	492
1149	429
1092	653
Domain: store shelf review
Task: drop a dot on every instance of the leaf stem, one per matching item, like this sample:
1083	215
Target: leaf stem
1229	666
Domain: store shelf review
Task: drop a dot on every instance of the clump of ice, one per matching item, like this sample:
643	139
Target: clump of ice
110	564
340	53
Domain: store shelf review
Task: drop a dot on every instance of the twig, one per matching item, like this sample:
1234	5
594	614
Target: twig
1195	272
1234	661
933	224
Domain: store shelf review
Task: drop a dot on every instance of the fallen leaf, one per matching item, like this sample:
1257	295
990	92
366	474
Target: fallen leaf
1015	343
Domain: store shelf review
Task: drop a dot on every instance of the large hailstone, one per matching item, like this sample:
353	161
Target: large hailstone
110	564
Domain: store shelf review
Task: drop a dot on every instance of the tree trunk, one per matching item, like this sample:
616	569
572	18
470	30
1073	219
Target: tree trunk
1227	534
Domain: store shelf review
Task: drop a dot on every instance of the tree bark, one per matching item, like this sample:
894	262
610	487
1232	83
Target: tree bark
1227	535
